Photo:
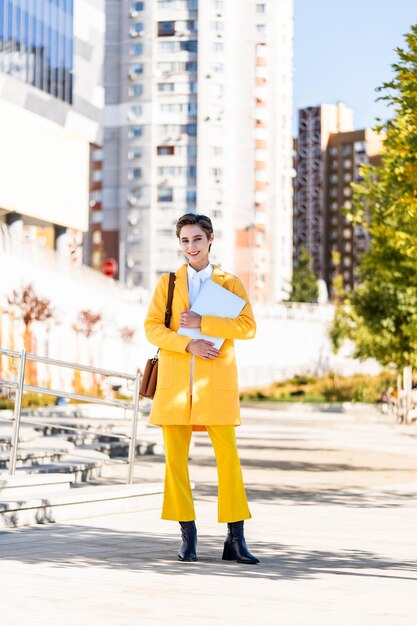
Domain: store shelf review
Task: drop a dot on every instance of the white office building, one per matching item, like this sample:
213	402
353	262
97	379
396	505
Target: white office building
51	104
198	118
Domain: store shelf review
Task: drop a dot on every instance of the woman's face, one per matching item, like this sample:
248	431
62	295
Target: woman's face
195	245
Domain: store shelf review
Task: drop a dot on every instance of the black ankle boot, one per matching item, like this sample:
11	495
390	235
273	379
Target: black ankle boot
188	550
235	548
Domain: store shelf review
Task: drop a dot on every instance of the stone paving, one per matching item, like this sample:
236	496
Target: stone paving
333	498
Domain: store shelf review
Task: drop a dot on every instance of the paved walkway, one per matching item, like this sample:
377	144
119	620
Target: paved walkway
333	499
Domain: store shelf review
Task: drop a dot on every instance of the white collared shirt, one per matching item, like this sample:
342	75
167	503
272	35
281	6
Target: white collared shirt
195	280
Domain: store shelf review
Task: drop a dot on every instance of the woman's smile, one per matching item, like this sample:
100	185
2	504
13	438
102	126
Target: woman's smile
195	245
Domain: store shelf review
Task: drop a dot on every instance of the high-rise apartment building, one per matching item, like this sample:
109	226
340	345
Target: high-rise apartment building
328	156
51	103
198	119
346	152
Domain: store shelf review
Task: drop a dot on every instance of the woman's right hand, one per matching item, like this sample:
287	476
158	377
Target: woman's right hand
203	349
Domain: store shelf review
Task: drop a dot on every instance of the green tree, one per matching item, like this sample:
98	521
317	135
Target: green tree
380	316
304	283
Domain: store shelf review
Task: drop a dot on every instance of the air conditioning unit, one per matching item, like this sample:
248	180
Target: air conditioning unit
132	200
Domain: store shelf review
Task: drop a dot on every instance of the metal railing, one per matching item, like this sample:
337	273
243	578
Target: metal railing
21	387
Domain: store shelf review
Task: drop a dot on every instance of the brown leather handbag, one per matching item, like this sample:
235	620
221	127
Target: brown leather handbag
150	374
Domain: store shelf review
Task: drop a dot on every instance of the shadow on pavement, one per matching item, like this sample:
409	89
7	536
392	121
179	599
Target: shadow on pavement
359	498
65	546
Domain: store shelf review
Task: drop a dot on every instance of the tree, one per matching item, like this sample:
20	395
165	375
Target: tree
380	316
86	325
31	309
304	282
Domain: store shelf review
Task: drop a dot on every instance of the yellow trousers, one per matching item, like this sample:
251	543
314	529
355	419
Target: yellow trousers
178	499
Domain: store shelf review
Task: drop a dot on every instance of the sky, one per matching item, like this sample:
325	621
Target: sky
344	50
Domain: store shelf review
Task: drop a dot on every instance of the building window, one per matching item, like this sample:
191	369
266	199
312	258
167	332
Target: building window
135	111
261	8
135	71
136	8
190	129
218	5
192	5
166	29
261	175
166	86
96	258
168	46
135	173
217	26
261	29
191	196
136	29
165	150
261	71
136	49
165	194
135	90
172	170
217	46
37	44
217	67
135	132
96	237
191	66
97	175
189	46
134	154
346	149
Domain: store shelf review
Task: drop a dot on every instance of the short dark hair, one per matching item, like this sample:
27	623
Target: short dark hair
194	218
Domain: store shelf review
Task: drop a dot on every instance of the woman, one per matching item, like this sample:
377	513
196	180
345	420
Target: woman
197	390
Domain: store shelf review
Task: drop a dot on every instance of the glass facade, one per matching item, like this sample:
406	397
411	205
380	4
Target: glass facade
37	44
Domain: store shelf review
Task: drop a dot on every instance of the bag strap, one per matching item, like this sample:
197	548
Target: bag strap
168	310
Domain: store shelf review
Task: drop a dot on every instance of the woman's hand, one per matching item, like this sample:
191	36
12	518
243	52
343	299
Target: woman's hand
203	349
189	319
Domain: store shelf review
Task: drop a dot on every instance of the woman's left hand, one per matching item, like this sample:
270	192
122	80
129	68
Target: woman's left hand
189	319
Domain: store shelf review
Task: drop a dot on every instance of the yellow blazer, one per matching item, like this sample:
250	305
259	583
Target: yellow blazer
215	398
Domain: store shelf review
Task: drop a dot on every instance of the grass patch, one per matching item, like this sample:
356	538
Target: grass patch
329	388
